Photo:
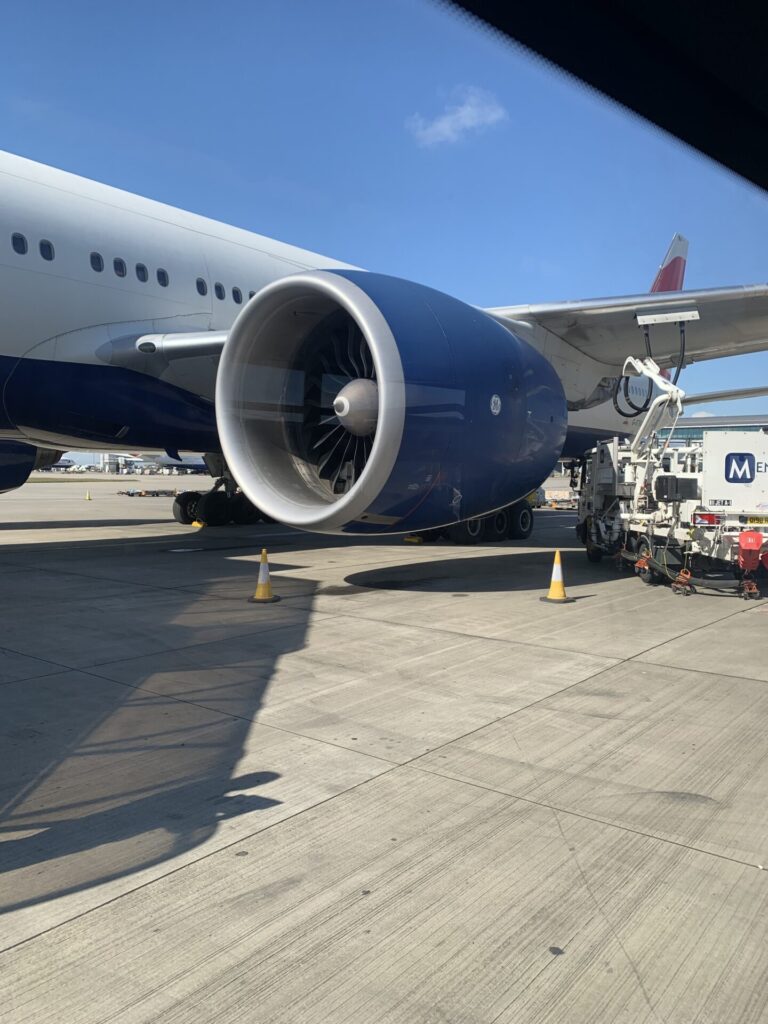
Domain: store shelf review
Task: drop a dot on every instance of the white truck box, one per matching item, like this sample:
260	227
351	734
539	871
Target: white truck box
735	473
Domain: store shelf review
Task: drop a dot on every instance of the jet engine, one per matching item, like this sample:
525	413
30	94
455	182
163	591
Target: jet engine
351	402
18	460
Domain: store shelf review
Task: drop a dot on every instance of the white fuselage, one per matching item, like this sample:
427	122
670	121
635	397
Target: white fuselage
62	310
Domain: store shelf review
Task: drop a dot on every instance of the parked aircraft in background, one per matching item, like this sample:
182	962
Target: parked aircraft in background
337	399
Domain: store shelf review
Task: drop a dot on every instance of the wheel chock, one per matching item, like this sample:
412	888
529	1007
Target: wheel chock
263	594
556	594
412	538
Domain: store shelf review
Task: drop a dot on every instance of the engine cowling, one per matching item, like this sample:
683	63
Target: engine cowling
18	460
351	402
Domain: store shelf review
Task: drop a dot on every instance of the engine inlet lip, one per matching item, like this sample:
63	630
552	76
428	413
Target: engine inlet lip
314	514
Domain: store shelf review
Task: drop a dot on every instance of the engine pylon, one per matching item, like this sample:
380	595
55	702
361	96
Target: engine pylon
263	593
556	594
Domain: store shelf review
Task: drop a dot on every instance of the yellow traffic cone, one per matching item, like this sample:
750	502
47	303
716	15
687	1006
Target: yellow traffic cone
264	593
556	586
88	496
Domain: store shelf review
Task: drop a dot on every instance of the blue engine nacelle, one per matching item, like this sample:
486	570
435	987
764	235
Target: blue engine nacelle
358	403
16	463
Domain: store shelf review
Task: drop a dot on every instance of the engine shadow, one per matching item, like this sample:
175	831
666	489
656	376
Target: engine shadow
516	571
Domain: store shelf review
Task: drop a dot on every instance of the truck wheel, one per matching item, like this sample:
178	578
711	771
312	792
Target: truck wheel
645	550
468	532
496	527
184	507
520	521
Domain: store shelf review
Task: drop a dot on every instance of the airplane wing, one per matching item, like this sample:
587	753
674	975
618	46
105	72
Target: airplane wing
731	321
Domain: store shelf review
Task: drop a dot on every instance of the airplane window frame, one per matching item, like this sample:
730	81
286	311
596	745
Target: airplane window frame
46	246
17	235
97	262
237	296
120	267
141	268
219	291
162	277
202	286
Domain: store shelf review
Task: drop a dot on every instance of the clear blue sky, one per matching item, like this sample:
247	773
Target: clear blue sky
319	123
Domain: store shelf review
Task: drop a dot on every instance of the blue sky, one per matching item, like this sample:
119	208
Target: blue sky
397	136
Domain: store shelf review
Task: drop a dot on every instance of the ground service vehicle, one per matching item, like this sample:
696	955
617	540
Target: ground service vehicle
695	514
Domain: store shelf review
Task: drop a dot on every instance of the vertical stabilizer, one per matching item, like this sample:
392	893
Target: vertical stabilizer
671	273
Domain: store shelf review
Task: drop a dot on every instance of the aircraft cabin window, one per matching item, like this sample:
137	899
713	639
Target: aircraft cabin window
162	277
46	249
219	290
202	287
97	262
141	272
251	294
120	268
19	244
237	295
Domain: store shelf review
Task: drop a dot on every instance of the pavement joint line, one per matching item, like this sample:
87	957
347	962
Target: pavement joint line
588	817
532	643
151	654
245	718
316	617
204	856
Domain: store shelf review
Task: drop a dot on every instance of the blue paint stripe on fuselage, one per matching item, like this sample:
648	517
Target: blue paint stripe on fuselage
102	405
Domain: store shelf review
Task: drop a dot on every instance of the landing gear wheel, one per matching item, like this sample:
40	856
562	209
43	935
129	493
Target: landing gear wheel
520	521
243	512
430	536
213	509
496	527
594	554
185	507
468	532
647	575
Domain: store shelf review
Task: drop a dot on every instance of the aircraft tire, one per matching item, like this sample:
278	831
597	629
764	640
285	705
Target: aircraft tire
243	512
520	521
214	509
468	532
496	527
184	507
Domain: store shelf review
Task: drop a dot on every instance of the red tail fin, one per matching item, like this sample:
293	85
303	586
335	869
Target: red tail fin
672	271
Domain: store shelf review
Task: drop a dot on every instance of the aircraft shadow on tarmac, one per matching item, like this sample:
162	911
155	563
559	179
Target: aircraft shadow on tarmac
130	680
100	778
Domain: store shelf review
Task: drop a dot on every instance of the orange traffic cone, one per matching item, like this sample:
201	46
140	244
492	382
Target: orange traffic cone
556	586
263	594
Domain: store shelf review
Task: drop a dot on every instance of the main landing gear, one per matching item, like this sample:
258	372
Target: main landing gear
216	508
515	522
223	504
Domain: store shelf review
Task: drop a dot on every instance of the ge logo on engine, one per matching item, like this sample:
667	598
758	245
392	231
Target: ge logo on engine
495	405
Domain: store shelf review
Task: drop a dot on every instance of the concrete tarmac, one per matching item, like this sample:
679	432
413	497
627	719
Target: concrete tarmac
409	792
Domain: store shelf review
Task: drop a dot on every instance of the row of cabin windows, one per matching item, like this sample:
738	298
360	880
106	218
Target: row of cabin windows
120	267
20	246
220	291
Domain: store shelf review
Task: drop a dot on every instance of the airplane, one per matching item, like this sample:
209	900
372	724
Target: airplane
331	398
